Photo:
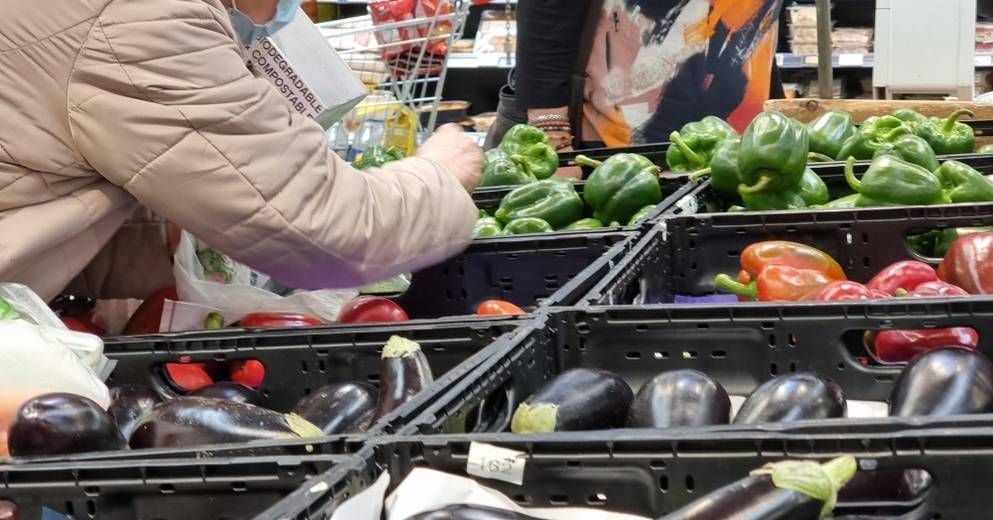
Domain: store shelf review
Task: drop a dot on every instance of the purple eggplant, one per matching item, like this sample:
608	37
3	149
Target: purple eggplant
129	403
793	397
61	424
403	372
339	407
470	512
197	421
756	497
680	398
578	399
229	391
944	381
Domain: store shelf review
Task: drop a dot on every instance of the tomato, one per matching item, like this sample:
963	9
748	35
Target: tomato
365	309
188	376
250	372
262	320
498	307
148	316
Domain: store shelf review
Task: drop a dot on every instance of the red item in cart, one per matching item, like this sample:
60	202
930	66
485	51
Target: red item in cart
402	45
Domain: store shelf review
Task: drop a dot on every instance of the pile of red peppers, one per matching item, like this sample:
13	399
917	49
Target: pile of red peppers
779	270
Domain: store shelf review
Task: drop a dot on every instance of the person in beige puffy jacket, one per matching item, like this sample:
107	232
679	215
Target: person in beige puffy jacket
116	112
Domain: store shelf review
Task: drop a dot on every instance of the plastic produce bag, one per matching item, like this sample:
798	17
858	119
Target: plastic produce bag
207	280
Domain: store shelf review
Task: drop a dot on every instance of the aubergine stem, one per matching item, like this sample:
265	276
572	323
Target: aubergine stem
730	285
818	481
583	160
850	177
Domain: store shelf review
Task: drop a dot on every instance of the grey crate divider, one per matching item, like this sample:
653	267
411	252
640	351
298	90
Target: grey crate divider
680	255
651	473
166	489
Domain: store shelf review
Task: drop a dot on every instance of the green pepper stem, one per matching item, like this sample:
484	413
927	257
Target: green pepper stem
727	284
818	157
583	160
954	118
699	174
850	177
691	156
523	162
896	132
761	185
900	291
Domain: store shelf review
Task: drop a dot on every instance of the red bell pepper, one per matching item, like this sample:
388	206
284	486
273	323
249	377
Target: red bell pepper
148	316
895	346
776	283
498	308
969	263
760	255
905	276
249	372
938	288
264	320
839	290
188	376
365	309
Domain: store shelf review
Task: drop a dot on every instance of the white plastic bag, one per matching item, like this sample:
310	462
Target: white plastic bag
235	290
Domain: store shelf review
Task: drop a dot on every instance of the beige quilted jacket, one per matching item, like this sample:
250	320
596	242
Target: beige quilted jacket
110	105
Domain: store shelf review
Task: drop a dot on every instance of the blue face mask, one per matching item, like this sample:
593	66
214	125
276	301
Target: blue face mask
249	31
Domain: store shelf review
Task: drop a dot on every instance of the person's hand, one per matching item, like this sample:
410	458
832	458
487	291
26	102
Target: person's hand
451	147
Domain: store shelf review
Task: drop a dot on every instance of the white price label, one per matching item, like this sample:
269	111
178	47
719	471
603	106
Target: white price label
851	60
779	60
984	60
488	461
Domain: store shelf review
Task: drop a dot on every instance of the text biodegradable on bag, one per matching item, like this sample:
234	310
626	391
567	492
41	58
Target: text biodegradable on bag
200	295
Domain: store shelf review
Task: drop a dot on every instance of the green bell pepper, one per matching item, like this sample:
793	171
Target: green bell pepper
986	148
585	223
641	214
532	145
829	131
923	243
892	181
553	200
813	190
946	237
376	156
909	115
487	227
620	186
723	171
912	149
523	226
773	200
693	145
948	135
871	135
773	154
502	169
846	202
963	183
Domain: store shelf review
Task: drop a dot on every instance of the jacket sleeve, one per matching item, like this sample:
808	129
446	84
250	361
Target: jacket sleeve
161	103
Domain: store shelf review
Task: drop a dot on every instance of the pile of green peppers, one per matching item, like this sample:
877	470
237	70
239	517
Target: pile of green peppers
524	156
621	190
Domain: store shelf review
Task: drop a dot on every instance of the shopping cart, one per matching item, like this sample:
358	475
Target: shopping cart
403	60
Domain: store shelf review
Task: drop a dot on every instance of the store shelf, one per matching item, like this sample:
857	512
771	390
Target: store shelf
475	61
787	60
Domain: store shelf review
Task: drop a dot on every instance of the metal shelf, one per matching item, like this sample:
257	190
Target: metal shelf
787	60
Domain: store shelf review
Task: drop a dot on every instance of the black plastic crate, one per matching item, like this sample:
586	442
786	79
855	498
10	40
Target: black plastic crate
703	199
682	254
650	473
298	361
527	270
739	346
166	489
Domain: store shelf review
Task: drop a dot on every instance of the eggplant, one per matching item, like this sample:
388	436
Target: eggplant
129	403
229	391
470	512
793	397
578	399
944	381
680	398
196	421
403	372
62	424
756	497
339	407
